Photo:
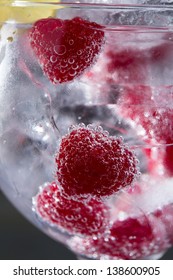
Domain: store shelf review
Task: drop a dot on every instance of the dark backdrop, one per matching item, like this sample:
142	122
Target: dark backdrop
21	240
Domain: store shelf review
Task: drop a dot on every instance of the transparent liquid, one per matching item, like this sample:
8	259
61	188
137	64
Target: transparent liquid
128	92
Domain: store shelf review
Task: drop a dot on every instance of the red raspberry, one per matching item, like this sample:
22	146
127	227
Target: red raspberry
153	122
159	130
160	160
91	162
128	239
136	103
162	53
83	217
155	156
160	125
122	66
127	65
138	230
136	65
167	160
65	48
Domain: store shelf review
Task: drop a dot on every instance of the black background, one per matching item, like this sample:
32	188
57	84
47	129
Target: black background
19	239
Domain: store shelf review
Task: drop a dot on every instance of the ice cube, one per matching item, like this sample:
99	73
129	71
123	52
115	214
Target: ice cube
146	196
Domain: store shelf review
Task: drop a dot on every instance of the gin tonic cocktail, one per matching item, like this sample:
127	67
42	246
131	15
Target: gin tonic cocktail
86	124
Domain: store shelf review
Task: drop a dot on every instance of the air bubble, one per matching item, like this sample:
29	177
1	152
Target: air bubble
99	128
64	64
71	60
79	52
81	125
62	71
87	60
55	81
59	26
69	217
75	67
71	128
71	42
91	126
72	73
106	133
34	202
60	49
53	59
121	139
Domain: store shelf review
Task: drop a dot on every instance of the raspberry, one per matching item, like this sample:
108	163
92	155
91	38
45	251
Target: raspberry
65	48
161	53
160	160
128	65
167	160
132	238
159	129
160	125
135	103
154	123
136	65
89	161
80	217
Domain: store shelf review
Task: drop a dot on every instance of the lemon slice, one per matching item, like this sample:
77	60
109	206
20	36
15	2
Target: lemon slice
27	14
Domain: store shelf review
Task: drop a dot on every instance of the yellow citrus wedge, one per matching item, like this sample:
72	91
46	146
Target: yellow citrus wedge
27	14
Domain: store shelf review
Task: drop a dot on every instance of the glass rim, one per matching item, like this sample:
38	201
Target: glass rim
70	4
